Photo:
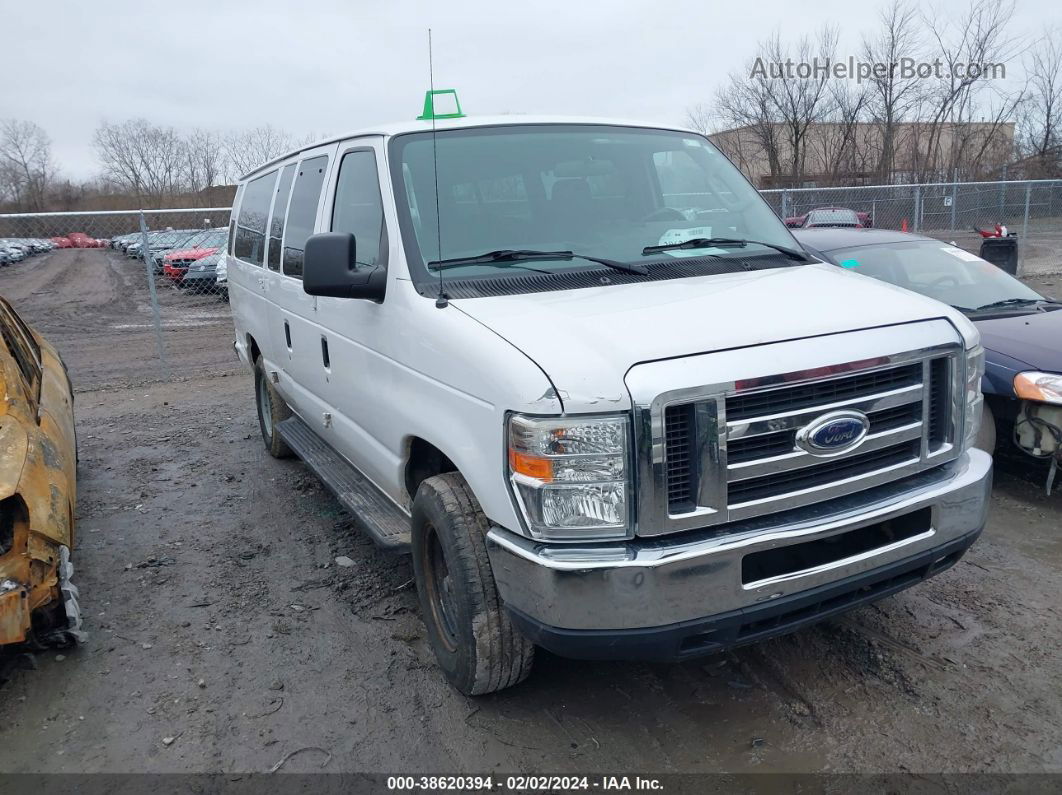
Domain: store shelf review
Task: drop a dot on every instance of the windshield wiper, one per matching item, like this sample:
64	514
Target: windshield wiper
1015	302
505	255
724	242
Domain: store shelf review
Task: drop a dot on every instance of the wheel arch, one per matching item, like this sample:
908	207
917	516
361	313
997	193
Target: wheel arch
424	460
253	351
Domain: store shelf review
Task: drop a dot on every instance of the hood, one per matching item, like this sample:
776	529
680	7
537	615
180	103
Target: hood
191	253
1035	338
586	340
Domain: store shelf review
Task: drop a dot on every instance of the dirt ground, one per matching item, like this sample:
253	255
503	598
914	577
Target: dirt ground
223	637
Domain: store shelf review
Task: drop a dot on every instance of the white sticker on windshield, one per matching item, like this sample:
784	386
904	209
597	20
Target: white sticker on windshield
682	235
958	253
694	252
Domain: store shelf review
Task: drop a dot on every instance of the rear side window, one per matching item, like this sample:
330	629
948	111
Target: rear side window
302	212
280	211
358	208
251	224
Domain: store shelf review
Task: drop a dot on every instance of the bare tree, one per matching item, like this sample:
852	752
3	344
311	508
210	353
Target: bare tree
977	37
699	117
25	164
838	149
893	94
745	106
771	109
1041	121
251	148
204	155
139	157
801	102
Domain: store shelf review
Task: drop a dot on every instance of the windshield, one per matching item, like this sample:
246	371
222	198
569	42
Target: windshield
599	191
208	238
938	270
833	217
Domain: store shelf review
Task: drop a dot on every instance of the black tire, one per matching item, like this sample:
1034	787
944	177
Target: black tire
474	640
272	410
986	437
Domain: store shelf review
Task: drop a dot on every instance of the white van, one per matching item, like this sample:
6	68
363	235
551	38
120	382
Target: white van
585	375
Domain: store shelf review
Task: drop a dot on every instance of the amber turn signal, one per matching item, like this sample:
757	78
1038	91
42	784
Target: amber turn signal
531	465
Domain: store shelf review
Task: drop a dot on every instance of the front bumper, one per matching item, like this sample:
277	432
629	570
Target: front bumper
655	597
199	277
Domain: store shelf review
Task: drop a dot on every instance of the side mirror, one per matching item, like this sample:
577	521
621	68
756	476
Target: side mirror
330	268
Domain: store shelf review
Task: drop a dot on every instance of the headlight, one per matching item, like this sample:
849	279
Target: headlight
974	400
1041	387
571	476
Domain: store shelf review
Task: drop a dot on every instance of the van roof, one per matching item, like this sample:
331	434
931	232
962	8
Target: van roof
396	128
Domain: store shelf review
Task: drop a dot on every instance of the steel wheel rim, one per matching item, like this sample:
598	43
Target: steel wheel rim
441	590
265	409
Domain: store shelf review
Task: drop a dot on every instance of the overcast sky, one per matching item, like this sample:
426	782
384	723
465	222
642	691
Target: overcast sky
326	67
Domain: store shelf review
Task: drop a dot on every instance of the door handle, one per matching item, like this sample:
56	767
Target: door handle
324	354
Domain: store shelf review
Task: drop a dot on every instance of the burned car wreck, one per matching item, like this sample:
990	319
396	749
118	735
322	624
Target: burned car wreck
38	462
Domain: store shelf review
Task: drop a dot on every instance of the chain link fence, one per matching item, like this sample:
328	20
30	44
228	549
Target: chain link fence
126	296
131	296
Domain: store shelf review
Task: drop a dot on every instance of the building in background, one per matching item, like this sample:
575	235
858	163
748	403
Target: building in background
778	155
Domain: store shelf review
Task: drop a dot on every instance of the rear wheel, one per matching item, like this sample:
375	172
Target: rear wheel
474	640
272	410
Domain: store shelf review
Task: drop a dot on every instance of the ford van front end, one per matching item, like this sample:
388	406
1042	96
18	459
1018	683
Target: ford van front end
733	509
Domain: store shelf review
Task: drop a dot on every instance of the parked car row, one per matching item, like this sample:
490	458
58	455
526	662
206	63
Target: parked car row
16	249
187	258
176	263
78	240
171	250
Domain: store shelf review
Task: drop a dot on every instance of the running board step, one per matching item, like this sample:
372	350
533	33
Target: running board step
373	512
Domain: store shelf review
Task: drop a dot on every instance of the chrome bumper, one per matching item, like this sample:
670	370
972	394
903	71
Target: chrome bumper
660	581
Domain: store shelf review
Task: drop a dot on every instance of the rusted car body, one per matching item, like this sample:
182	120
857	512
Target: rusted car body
38	461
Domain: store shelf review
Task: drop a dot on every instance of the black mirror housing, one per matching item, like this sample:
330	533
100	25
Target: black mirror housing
330	268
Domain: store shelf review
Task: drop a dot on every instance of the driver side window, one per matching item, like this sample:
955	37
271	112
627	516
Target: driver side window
358	208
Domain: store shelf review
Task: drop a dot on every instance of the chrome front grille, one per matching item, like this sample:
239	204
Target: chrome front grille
755	465
678	431
746	491
819	393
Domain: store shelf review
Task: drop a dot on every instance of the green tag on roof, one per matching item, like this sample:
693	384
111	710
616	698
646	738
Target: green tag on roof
429	105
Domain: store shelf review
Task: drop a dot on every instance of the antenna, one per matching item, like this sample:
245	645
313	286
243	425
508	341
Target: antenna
441	301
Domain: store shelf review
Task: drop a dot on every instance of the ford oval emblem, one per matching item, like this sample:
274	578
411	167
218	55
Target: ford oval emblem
834	433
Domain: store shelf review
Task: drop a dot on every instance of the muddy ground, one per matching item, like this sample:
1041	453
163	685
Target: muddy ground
223	637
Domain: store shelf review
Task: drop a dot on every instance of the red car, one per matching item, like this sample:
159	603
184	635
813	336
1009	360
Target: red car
81	240
62	242
175	263
830	216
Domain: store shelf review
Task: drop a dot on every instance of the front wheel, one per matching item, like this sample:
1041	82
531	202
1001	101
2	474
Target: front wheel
474	640
272	410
